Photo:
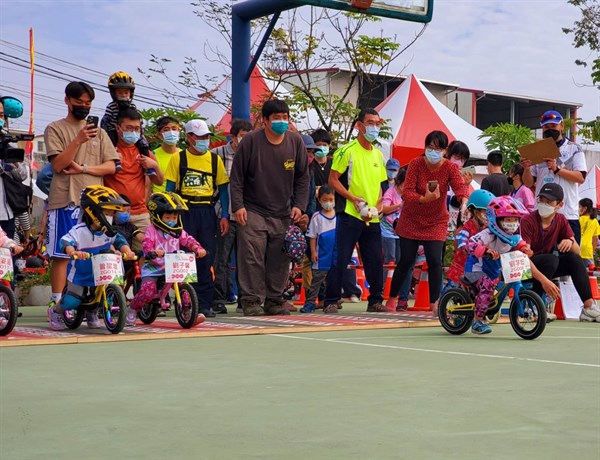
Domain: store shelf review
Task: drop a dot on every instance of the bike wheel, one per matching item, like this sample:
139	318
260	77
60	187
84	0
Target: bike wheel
455	323
73	318
187	311
528	319
149	313
9	311
116	308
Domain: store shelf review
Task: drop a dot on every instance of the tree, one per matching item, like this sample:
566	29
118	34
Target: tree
507	138
315	39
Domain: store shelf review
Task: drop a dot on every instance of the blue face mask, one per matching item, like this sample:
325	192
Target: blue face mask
391	174
172	223
122	217
371	133
131	138
434	156
170	137
201	145
1	123
279	126
322	151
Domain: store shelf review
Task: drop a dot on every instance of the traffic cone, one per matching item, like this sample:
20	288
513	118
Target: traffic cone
594	287
558	309
422	300
362	282
301	297
388	283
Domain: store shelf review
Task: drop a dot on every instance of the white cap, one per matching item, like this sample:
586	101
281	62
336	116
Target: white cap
197	127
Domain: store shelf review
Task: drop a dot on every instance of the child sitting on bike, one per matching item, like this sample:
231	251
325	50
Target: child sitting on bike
165	234
477	206
93	235
483	266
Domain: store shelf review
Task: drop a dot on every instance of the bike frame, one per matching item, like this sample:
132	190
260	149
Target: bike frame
501	292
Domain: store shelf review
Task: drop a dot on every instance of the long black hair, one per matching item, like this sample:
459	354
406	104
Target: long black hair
589	207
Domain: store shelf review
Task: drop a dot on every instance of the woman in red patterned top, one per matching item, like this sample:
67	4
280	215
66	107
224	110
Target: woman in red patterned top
424	218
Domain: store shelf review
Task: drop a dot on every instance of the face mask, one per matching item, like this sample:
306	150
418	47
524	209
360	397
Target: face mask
457	161
279	126
510	181
371	133
122	217
327	205
320	153
109	219
171	224
124	103
239	139
1	123
170	137
131	138
481	217
391	174
201	145
510	227
434	156
80	112
553	133
545	210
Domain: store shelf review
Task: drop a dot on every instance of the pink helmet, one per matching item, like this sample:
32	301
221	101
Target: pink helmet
504	206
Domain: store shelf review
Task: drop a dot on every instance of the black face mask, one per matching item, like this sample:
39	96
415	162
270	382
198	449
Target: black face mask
510	181
553	133
123	104
80	112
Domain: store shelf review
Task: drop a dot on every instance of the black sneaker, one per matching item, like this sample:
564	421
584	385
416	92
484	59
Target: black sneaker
275	308
220	308
210	313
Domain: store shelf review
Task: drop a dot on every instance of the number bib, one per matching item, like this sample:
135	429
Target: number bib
6	265
180	268
515	267
108	269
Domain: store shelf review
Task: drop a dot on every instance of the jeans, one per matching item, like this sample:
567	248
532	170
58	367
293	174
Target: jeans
225	247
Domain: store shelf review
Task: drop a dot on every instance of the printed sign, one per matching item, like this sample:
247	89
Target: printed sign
180	267
6	265
108	269
515	267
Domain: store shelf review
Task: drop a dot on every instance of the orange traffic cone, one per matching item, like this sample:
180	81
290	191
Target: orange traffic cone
362	282
302	297
422	300
594	286
388	283
558	309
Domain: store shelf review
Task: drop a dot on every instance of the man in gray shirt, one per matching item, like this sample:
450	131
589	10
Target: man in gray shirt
269	187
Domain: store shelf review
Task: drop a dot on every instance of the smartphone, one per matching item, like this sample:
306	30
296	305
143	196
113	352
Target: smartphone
432	185
92	120
468	169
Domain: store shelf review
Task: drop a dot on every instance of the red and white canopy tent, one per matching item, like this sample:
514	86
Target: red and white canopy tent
413	113
591	187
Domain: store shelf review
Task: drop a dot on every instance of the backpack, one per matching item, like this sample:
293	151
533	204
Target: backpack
294	244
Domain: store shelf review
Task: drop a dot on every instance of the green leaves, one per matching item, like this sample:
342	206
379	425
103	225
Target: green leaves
507	137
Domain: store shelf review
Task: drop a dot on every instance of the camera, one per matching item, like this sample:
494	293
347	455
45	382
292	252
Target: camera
12	154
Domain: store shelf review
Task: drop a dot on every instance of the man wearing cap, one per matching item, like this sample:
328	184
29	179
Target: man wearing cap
392	167
556	253
568	170
196	174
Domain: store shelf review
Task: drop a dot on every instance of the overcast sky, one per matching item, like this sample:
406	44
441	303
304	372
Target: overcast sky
512	46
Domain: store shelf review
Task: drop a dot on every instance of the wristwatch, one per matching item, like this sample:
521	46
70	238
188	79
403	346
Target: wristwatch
556	171
85	169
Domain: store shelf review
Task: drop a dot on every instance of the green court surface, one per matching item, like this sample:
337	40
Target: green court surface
411	393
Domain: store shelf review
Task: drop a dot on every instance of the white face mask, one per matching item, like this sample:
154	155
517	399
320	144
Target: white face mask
327	205
545	210
510	227
109	219
457	161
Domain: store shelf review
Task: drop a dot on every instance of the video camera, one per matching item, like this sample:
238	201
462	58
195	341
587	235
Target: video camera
13	108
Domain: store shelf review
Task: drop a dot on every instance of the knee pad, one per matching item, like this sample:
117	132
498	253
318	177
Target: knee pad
69	302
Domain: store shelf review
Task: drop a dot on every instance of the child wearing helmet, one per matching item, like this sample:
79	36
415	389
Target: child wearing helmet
121	87
483	266
477	207
94	234
165	234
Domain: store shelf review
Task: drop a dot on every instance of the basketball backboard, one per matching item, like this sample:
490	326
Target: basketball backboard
408	10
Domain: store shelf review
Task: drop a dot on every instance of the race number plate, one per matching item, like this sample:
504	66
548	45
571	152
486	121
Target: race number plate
180	268
108	269
6	265
515	267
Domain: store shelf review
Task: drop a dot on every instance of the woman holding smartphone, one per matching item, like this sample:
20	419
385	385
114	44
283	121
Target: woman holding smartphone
424	218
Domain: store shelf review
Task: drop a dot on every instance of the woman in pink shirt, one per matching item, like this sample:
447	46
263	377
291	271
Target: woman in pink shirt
424	217
521	193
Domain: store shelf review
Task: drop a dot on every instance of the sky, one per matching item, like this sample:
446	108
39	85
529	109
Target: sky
510	46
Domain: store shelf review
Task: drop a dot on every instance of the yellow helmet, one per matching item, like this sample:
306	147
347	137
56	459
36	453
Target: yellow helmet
162	202
94	200
118	80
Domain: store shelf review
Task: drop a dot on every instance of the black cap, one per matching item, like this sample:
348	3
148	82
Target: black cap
552	191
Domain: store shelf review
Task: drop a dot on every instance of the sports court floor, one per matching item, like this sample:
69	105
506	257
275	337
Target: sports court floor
401	393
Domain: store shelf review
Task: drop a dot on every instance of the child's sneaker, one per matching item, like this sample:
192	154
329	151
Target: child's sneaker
402	305
590	314
309	307
130	317
391	304
93	322
56	320
479	327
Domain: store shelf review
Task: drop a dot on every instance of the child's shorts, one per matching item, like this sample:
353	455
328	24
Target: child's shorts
60	222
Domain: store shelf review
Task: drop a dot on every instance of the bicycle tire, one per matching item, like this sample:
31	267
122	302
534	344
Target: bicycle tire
73	318
455	324
187	315
533	304
117	304
149	313
9	303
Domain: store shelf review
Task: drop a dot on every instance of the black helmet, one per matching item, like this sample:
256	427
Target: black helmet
94	200
118	80
162	202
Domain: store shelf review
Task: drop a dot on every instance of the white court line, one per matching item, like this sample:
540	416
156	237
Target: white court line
429	350
444	337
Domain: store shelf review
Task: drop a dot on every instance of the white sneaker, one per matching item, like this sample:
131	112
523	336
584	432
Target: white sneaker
93	322
57	322
354	299
550	317
590	314
130	317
